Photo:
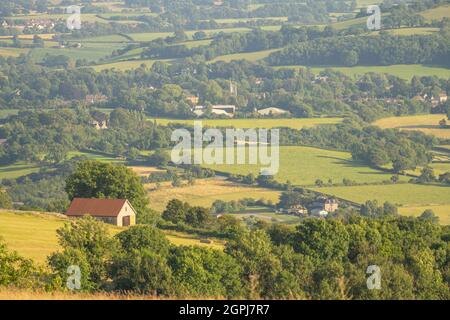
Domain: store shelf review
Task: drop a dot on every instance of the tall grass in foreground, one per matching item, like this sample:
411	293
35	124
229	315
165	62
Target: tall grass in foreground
23	294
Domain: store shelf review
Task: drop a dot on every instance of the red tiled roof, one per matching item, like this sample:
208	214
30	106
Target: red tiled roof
95	207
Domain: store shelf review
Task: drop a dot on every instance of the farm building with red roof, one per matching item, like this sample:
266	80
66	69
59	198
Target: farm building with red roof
118	212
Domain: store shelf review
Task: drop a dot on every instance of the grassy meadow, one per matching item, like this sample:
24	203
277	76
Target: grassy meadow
204	192
33	235
267	215
406	72
249	56
17	170
304	165
428	124
412	198
126	65
294	123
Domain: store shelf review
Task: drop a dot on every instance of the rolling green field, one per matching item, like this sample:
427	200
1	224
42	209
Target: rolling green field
94	156
428	124
250	56
411	31
304	165
33	235
17	170
89	51
267	215
295	123
126	65
413	198
402	194
402	71
149	36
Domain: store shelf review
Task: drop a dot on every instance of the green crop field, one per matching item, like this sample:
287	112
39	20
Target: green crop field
87	17
250	56
407	195
304	165
411	31
295	123
108	38
126	65
94	156
437	13
4	113
402	194
400	70
90	51
267	215
17	170
428	124
237	20
149	36
349	23
33	235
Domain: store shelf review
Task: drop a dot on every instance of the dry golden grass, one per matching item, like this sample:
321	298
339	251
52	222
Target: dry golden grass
437	13
143	171
18	294
205	192
12	52
33	235
442	211
428	124
45	36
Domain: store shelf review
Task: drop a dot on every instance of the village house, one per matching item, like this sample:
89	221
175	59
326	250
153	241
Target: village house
443	98
193	100
323	206
99	120
118	212
40	24
297	210
96	98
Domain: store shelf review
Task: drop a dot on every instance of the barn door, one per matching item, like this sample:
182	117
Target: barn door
126	221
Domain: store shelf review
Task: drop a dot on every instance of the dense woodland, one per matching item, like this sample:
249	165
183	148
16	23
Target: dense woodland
318	259
162	89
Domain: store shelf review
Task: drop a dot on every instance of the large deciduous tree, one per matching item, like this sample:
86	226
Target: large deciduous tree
93	179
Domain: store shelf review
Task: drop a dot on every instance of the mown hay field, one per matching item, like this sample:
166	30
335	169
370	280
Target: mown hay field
437	13
428	124
205	191
294	123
